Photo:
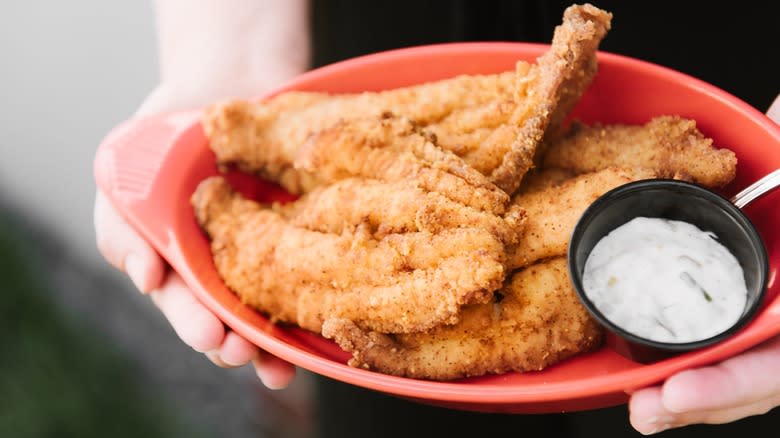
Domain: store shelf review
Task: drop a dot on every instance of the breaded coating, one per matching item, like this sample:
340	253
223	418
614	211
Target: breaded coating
670	145
535	321
389	208
482	134
402	282
494	121
553	212
540	179
393	149
555	83
263	137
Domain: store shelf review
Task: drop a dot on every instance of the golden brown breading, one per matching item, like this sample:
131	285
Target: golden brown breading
553	212
388	208
393	149
540	179
264	137
482	134
397	283
494	121
535	321
555	83
669	145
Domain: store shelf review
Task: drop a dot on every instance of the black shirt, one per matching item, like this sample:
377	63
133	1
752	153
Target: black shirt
733	46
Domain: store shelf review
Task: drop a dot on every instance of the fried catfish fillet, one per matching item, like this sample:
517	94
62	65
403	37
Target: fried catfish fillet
535	321
393	208
552	212
545	97
540	179
393	149
391	273
670	145
264	138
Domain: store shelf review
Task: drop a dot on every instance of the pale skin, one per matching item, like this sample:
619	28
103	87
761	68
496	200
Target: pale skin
208	50
212	49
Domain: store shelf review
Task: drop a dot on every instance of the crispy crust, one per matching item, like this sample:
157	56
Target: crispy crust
537	321
264	137
386	281
669	145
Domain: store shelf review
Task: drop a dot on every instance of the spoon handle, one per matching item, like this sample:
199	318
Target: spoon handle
757	189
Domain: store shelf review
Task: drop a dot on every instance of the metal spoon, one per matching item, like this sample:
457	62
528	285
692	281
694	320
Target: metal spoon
757	189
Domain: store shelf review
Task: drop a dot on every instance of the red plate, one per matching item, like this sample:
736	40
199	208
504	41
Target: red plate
150	167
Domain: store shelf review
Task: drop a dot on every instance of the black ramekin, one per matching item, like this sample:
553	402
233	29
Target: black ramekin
675	200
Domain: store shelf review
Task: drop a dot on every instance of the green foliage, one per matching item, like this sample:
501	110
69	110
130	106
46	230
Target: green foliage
58	377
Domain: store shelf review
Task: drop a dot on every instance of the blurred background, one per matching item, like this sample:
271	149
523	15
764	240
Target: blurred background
83	354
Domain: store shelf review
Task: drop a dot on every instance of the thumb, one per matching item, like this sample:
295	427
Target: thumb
774	110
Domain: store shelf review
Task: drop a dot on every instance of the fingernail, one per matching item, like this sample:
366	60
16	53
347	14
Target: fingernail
228	362
658	429
135	271
214	357
662	419
658	424
268	382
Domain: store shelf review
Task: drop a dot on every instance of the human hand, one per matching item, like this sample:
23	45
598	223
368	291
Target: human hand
208	50
739	387
736	388
197	326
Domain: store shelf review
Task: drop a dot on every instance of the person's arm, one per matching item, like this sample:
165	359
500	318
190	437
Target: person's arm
745	385
208	50
212	49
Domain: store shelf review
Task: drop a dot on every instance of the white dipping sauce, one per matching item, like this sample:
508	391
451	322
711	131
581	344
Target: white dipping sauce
665	280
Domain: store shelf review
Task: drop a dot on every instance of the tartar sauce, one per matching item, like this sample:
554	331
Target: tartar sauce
665	280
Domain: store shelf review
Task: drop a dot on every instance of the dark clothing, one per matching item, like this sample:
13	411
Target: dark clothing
347	411
730	47
733	47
